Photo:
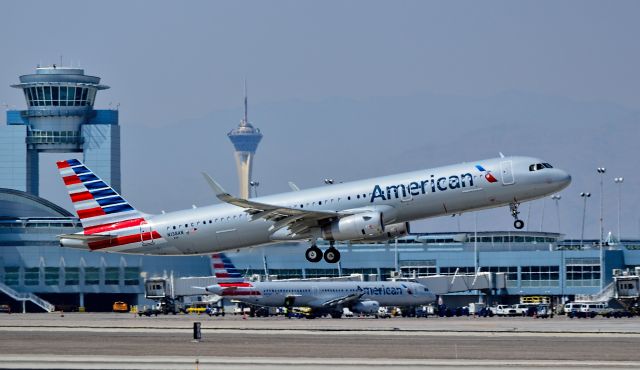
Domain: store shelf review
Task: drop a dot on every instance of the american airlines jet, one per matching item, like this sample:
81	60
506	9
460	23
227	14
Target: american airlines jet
367	210
323	297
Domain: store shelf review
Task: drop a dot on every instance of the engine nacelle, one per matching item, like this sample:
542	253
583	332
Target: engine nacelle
214	289
355	227
366	307
393	231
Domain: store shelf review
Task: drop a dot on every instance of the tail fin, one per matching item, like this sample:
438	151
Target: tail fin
224	270
100	209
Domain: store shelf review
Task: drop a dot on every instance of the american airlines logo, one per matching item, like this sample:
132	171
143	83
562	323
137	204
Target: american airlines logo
432	185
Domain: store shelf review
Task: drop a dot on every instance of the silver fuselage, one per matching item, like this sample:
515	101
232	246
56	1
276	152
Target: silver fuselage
316	294
404	197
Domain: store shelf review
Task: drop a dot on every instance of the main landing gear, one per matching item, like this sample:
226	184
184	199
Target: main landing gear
314	254
518	224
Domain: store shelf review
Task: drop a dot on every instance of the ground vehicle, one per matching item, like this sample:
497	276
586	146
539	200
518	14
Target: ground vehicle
505	310
572	307
383	313
5	308
150	310
241	310
197	307
214	311
543	311
120	307
594	308
522	309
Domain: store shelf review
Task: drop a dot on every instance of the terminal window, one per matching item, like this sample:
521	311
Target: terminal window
540	276
32	276
461	270
91	276
286	273
315	273
71	276
131	276
11	275
583	275
51	275
112	276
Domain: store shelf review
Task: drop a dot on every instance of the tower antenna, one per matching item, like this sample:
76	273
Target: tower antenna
246	108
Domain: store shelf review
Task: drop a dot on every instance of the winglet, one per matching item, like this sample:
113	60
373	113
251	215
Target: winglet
293	186
220	192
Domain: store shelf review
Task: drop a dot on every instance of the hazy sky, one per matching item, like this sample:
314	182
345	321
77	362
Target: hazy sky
170	64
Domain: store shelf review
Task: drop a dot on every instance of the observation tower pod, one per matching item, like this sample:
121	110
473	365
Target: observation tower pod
59	119
245	139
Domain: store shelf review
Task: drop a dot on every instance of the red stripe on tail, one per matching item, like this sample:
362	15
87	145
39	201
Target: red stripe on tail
91	212
70	180
78	197
62	164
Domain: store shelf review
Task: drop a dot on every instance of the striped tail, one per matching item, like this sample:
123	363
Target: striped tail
101	209
225	272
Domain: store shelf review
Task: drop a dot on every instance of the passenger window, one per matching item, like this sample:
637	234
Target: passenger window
358	196
174	227
349	197
319	202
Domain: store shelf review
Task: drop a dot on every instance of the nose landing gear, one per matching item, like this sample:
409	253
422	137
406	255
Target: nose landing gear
518	224
314	254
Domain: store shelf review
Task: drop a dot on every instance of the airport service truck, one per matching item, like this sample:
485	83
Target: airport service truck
176	295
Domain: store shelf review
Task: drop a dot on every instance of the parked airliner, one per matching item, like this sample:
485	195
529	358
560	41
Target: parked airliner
365	210
323	297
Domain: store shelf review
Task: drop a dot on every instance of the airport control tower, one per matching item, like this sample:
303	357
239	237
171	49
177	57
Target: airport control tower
59	119
245	139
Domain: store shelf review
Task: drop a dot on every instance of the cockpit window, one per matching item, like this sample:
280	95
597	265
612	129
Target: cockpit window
539	166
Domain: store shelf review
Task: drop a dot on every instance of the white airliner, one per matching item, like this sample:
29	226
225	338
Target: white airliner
323	297
365	210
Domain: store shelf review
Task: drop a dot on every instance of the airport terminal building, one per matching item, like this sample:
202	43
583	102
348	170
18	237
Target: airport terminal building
536	263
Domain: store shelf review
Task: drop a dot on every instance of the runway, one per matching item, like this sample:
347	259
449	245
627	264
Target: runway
124	341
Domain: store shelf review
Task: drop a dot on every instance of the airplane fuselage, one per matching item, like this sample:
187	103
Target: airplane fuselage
330	294
399	198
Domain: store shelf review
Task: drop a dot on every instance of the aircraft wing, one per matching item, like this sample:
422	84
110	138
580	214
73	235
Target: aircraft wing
342	300
297	220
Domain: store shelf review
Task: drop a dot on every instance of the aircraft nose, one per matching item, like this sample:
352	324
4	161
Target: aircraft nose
563	179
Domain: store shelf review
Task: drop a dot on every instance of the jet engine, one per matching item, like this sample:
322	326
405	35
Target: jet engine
366	307
355	227
392	231
214	289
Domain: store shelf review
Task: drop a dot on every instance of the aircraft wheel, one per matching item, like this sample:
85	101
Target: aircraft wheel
313	254
332	255
518	224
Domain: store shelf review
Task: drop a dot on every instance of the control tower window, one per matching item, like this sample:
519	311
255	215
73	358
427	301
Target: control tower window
63	96
55	93
40	94
84	96
47	95
71	91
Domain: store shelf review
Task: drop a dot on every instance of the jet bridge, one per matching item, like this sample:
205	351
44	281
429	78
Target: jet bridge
445	284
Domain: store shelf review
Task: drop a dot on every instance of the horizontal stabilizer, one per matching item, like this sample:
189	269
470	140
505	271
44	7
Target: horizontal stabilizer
87	238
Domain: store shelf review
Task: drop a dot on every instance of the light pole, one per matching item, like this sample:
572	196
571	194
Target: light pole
619	181
254	185
557	198
584	196
601	171
544	204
